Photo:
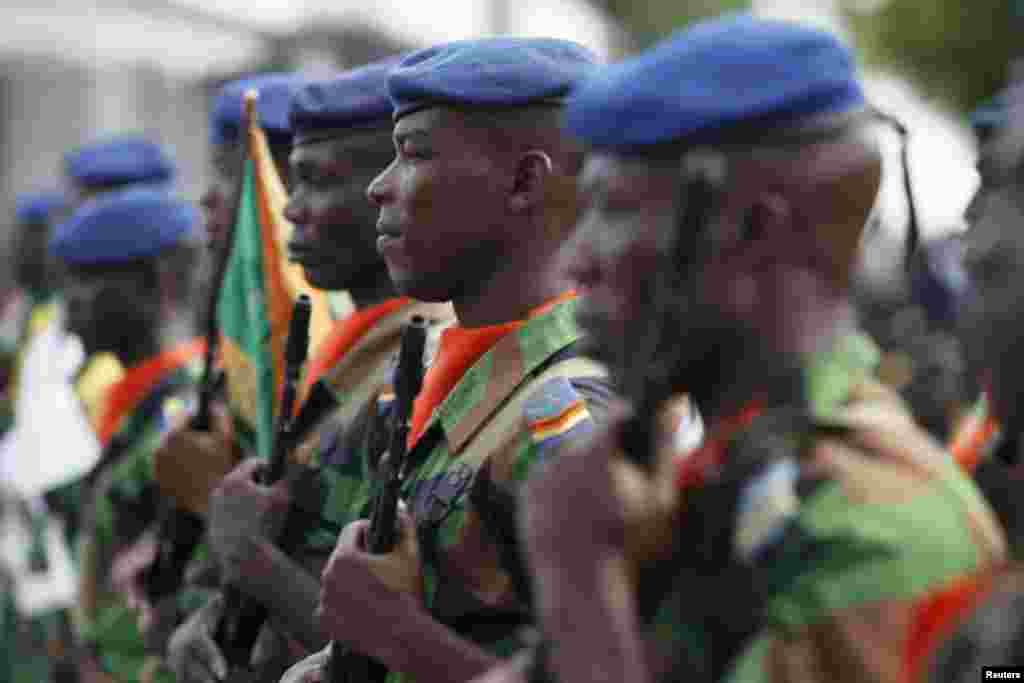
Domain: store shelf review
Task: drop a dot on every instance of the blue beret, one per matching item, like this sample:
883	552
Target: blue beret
36	207
490	72
275	94
718	74
123	225
355	98
118	160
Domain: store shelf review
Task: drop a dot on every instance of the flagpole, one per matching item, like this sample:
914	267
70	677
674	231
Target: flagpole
208	385
180	530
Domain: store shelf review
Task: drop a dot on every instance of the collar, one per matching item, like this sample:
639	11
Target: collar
829	377
344	335
486	384
124	396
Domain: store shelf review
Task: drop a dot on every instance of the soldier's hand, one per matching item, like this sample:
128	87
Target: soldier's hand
362	596
128	570
192	654
242	514
188	464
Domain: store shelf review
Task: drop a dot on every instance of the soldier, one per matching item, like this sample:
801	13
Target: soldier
31	404
31	307
101	165
112	248
474	208
985	441
986	629
193	461
227	142
801	550
115	162
342	138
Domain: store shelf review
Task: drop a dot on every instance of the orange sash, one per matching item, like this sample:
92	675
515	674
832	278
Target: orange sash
458	349
936	615
343	337
973	435
124	396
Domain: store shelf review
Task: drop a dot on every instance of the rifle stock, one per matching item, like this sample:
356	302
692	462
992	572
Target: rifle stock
345	665
243	617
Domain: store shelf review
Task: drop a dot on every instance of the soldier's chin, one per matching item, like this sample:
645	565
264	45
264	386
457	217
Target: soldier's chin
323	278
421	287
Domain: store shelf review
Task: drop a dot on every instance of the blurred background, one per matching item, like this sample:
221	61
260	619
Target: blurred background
73	69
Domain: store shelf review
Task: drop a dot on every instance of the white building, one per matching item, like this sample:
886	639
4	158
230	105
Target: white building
73	69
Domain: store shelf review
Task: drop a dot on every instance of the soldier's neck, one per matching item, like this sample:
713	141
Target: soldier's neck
510	293
372	290
729	371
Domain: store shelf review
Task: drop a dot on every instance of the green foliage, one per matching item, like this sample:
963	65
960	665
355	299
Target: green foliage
955	50
647	21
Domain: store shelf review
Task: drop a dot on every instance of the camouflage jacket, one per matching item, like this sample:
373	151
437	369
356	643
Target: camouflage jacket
352	375
122	503
521	399
878	545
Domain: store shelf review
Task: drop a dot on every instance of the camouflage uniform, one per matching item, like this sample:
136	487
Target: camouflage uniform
358	373
27	646
877	546
41	638
123	503
513	406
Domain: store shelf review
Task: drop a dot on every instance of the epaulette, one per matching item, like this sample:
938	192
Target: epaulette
554	412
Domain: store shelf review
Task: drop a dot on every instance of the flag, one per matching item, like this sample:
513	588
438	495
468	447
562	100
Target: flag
258	291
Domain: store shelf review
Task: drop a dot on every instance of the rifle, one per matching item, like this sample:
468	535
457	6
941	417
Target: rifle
651	375
243	617
345	665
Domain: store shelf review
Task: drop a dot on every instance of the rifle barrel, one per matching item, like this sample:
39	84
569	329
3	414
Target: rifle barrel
345	666
243	617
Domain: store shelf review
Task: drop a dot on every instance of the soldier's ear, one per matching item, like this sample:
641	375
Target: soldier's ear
766	219
531	176
750	231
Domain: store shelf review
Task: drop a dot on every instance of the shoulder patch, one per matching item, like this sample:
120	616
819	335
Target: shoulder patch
554	412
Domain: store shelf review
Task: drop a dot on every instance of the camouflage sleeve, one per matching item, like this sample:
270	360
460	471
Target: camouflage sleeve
560	410
886	541
343	485
477	536
124	504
